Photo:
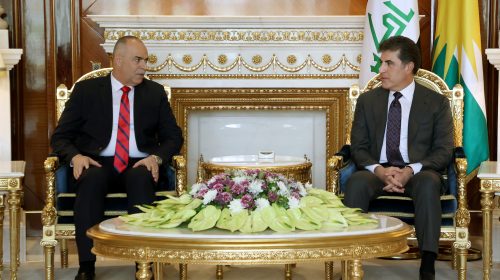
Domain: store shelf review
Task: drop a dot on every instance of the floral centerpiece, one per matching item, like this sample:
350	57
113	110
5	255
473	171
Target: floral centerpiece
250	201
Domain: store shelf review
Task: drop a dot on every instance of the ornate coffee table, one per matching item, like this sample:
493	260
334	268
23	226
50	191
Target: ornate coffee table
112	238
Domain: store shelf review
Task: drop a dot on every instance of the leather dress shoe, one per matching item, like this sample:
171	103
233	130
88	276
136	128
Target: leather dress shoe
427	276
85	276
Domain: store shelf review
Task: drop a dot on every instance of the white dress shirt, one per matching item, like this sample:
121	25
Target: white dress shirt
405	102
133	151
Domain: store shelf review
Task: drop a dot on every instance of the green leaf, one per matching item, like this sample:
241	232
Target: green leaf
301	221
205	219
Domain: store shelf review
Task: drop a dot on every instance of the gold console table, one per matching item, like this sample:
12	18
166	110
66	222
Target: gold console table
112	238
292	167
489	174
11	183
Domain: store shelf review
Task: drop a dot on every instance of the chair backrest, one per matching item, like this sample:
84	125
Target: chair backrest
63	93
427	79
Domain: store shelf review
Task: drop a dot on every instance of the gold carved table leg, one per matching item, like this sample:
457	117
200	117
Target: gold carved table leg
158	271
354	270
183	271
144	271
219	272
288	272
2	209
14	201
328	270
487	209
64	253
344	269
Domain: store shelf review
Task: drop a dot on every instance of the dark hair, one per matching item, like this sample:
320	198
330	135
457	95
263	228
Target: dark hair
408	50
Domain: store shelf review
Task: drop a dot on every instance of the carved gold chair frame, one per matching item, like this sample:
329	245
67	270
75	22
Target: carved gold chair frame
54	232
458	233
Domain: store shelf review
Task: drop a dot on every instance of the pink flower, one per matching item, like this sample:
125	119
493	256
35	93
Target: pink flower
228	182
253	172
272	196
238	189
223	198
201	193
218	186
295	194
247	201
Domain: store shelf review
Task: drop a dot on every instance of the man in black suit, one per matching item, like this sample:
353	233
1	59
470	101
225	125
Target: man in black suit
115	131
402	141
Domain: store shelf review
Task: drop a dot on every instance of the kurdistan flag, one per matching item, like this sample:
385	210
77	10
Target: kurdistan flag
457	59
385	19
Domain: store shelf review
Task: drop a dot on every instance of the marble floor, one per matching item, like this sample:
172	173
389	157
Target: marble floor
112	269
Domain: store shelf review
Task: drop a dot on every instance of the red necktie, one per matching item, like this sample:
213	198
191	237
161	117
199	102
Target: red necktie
121	150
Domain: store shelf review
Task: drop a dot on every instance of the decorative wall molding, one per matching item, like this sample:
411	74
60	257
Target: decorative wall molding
245	48
10	57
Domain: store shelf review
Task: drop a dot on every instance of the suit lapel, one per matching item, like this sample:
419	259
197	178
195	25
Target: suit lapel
418	105
106	95
380	117
139	95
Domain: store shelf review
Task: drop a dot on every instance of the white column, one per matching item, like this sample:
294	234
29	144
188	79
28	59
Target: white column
8	58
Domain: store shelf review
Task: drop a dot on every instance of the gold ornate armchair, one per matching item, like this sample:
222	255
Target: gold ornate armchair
57	214
455	215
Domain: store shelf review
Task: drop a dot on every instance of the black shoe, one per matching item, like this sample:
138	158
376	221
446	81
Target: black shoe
427	270
427	276
85	276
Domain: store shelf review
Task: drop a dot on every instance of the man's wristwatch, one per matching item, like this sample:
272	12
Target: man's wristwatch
158	159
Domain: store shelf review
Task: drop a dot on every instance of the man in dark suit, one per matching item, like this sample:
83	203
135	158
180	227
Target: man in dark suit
402	140
115	131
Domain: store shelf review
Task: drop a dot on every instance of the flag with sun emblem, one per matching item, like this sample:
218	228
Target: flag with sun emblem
457	59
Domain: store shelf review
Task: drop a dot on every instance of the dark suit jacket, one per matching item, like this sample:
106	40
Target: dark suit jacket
86	123
430	128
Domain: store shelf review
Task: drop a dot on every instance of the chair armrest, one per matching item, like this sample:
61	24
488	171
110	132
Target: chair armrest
337	171
49	213
345	153
462	215
459	152
179	164
453	171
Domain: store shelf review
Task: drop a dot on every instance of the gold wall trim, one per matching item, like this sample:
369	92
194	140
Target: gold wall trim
240	63
239	35
255	76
